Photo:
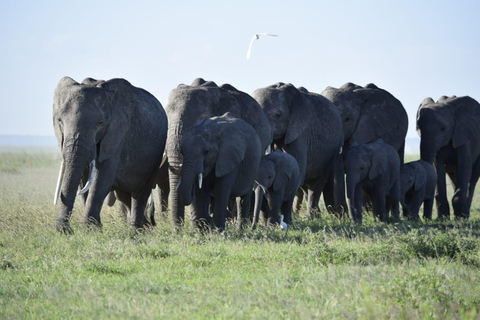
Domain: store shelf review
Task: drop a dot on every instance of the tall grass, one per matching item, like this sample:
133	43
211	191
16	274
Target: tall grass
322	268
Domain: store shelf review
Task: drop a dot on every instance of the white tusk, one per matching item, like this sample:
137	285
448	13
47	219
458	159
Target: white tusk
90	178
283	225
269	149
178	183
341	150
200	180
59	183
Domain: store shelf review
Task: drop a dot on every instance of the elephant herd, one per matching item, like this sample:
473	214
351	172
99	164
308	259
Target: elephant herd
223	152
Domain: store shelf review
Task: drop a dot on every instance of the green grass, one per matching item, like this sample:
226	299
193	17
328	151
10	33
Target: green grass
323	268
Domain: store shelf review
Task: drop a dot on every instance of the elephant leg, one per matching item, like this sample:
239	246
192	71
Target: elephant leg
443	208
125	203
287	211
297	202
427	209
394	201
329	194
243	209
139	204
334	191
314	193
101	186
379	205
150	210
222	191
464	173
416	204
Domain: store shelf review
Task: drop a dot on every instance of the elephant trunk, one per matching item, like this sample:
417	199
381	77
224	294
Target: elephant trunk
75	160
427	149
259	192
351	186
187	185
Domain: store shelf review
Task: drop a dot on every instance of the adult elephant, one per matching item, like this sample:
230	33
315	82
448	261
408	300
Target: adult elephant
307	126
120	130
224	153
190	104
368	113
449	131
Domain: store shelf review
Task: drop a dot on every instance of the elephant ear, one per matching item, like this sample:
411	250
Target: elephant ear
232	149
378	164
467	120
120	104
299	111
60	97
420	177
283	176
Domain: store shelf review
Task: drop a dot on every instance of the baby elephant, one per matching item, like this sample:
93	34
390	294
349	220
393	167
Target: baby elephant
278	178
418	180
373	168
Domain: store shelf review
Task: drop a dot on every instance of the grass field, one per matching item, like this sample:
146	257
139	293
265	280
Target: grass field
324	268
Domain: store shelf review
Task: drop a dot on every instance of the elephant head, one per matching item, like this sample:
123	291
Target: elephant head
209	148
283	105
273	175
454	120
90	121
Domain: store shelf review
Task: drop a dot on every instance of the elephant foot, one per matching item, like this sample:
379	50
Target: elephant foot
62	225
93	224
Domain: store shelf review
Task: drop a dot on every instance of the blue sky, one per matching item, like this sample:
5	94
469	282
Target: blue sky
413	49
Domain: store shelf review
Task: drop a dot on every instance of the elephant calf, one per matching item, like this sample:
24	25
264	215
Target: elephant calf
224	153
373	168
278	178
417	185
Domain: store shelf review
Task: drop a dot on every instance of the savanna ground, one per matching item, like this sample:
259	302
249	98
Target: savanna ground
323	268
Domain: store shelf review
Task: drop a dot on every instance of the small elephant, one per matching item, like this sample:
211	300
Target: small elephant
373	168
120	130
449	131
417	186
224	153
278	178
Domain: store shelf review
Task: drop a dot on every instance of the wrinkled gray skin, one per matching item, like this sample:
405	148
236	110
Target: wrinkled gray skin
307	126
368	113
227	152
417	186
120	126
279	175
190	104
449	131
373	168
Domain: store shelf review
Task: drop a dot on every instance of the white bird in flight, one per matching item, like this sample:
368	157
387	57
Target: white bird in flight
256	37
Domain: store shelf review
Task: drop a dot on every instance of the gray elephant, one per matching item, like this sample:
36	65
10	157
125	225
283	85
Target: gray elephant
373	168
368	113
190	104
417	186
307	126
120	130
224	153
278	179
449	130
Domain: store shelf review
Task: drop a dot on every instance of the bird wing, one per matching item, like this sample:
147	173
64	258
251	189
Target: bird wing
250	47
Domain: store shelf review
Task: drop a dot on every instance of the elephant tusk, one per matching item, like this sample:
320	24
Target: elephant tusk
200	180
178	184
59	183
269	149
341	150
283	225
90	178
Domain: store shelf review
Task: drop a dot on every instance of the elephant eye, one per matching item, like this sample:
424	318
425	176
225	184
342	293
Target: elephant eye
206	152
442	129
362	167
347	119
277	115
